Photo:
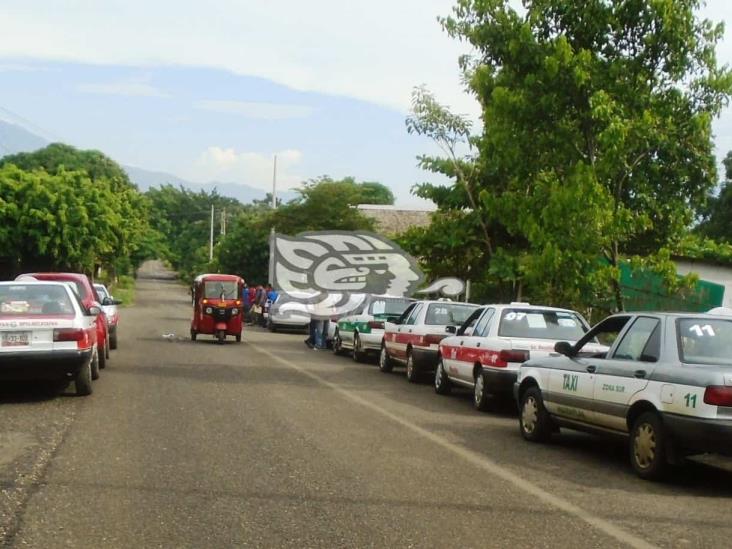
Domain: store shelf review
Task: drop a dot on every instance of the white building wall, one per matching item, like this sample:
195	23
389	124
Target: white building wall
709	272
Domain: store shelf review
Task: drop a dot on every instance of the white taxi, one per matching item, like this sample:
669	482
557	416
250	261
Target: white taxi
46	333
487	350
665	382
413	338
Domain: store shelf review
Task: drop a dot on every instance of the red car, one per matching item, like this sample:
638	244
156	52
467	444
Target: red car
89	298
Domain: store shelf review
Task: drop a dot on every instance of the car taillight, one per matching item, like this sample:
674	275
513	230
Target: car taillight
72	334
432	339
376	324
718	395
502	358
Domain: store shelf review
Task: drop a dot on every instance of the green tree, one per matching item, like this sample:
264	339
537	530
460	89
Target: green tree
717	223
596	146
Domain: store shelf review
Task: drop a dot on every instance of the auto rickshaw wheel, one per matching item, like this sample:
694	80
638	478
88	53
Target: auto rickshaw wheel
238	338
221	334
193	335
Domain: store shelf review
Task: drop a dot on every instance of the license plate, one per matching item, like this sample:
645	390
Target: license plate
16	339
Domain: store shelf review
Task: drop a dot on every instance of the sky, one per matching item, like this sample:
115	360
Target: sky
212	91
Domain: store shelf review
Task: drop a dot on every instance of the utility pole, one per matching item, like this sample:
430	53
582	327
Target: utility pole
210	243
223	222
274	184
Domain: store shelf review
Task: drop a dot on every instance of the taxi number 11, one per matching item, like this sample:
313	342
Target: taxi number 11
690	400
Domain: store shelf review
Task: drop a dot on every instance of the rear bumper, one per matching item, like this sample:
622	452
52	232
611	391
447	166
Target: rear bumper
698	435
42	364
500	381
425	359
371	341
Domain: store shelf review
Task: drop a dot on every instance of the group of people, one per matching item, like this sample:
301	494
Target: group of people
256	299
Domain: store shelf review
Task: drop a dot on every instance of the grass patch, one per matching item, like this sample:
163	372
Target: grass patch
124	290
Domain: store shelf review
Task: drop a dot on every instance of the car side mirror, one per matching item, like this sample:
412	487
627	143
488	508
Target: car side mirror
564	348
451	329
94	311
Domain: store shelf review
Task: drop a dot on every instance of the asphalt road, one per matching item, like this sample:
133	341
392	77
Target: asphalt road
269	444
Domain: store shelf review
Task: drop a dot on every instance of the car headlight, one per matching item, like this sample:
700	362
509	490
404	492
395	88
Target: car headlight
234	311
208	310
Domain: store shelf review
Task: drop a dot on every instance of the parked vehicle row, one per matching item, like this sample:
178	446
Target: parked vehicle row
662	381
53	327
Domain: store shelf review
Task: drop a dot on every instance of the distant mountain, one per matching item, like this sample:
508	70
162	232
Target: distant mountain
15	139
145	179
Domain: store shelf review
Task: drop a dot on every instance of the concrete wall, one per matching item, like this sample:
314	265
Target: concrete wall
710	272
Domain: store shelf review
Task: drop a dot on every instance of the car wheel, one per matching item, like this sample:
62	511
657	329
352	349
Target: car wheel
95	365
535	423
358	354
102	358
83	380
106	347
413	373
442	383
386	365
482	399
648	447
337	344
113	341
193	335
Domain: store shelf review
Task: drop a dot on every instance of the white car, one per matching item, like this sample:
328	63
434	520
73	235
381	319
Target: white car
413	338
111	311
284	314
47	334
665	382
363	331
486	352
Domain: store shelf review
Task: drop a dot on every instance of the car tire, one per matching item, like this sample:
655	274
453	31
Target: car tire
102	357
83	380
648	447
482	399
358	354
535	423
95	365
413	373
386	364
106	347
337	344
442	382
113	341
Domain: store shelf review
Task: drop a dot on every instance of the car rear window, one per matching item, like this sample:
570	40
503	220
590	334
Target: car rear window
35	300
538	324
101	290
213	289
448	314
703	341
388	306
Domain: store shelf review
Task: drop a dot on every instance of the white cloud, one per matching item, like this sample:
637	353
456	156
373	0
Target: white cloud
263	111
21	67
250	168
376	50
132	87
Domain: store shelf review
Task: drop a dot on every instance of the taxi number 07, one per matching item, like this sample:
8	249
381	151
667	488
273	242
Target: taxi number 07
15	339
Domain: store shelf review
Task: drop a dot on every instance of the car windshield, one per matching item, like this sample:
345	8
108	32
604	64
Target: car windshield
101	290
34	300
705	341
388	306
213	289
448	314
538	324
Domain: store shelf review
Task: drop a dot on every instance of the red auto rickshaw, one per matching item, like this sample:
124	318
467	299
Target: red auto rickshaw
217	306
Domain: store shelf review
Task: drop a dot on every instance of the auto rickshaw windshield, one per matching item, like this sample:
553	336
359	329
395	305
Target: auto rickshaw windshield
213	289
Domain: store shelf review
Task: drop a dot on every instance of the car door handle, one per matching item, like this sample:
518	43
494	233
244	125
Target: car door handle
477	344
640	374
592	369
410	330
462	342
